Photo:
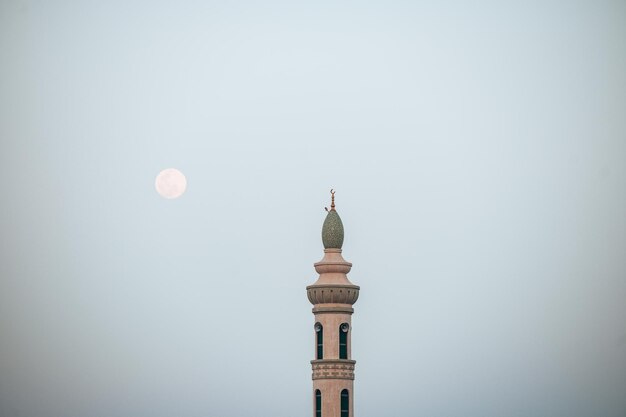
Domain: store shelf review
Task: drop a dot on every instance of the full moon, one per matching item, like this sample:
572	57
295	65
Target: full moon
170	183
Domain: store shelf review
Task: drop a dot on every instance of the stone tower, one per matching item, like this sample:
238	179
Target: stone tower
332	296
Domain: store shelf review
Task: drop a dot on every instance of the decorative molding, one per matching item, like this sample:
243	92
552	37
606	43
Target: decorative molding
333	369
333	294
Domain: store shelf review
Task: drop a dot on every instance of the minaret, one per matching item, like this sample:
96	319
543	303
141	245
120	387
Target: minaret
332	296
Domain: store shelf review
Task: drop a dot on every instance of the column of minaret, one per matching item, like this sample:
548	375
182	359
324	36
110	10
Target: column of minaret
332	296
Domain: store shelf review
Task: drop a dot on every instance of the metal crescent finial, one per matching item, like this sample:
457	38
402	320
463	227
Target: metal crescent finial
332	201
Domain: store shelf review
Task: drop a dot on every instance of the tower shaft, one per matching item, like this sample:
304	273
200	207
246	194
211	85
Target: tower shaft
332	296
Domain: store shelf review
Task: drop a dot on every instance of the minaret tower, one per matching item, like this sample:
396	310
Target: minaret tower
332	296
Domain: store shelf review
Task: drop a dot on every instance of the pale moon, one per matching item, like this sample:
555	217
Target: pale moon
170	183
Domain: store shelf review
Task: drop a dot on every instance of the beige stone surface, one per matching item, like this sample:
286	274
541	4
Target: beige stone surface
332	296
331	396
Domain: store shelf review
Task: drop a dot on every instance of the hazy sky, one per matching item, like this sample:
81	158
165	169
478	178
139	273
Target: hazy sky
478	150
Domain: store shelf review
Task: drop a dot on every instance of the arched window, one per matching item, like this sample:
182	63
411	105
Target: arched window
318	403
319	340
343	340
345	403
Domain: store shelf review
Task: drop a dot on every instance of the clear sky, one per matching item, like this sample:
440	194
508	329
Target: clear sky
478	150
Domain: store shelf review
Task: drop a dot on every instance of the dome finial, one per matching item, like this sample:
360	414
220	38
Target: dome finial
332	230
332	201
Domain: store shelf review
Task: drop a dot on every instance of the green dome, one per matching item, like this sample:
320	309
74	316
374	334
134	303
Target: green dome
332	231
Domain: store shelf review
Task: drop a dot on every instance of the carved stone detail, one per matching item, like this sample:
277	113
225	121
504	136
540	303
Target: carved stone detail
336	294
333	369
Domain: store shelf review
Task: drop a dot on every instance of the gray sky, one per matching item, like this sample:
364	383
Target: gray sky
478	152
